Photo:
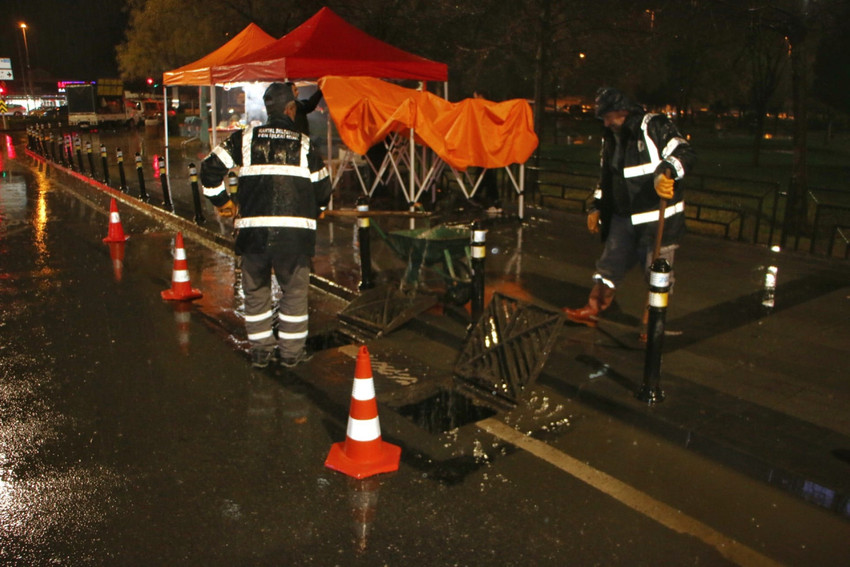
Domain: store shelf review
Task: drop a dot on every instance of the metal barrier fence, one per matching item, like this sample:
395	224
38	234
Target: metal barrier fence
733	208
829	223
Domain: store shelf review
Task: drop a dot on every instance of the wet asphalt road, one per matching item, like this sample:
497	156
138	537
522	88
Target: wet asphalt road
132	434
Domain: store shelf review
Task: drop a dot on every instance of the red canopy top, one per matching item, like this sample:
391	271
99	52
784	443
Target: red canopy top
328	45
248	40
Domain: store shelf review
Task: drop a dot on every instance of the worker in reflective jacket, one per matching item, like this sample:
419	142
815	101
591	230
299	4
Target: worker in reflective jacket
283	185
643	160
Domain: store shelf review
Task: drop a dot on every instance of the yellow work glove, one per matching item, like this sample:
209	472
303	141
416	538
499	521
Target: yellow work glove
227	210
664	186
593	221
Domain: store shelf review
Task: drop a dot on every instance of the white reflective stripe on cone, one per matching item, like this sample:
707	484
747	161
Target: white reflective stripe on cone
180	276
114	218
363	389
180	254
364	429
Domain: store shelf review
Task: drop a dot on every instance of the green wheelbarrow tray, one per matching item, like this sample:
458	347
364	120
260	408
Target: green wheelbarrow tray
431	244
443	249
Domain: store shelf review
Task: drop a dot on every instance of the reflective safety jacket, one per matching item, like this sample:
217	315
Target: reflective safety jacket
283	183
650	144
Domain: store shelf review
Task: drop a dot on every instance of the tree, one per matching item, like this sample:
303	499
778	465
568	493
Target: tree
831	69
165	34
766	54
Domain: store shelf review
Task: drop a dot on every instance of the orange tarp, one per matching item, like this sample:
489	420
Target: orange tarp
472	132
198	72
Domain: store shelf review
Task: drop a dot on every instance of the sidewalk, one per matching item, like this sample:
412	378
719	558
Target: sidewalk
763	393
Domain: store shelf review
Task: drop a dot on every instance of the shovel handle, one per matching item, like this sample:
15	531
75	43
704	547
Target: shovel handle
660	232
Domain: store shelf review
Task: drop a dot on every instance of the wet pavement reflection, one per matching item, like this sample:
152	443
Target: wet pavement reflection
134	431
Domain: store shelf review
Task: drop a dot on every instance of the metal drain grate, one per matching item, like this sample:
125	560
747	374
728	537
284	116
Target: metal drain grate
508	347
379	311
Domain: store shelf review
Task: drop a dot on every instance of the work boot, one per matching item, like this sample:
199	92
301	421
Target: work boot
260	358
600	298
292	361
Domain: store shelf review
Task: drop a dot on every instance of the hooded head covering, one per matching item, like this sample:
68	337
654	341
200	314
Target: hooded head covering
609	99
276	97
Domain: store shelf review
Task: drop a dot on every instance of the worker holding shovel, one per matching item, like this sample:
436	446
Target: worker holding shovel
639	200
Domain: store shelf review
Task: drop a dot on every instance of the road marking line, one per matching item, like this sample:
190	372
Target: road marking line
631	497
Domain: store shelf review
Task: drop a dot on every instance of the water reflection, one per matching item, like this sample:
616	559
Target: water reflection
363	500
116	255
10	150
182	318
40	221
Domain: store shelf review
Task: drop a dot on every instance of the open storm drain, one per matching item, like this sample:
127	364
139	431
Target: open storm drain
444	411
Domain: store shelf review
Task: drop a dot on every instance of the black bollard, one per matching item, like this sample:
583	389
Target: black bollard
52	147
163	180
42	142
143	192
479	253
59	156
196	194
104	163
78	145
364	237
63	152
91	158
68	146
659	289
120	157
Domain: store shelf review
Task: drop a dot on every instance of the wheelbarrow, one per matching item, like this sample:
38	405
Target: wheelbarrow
438	253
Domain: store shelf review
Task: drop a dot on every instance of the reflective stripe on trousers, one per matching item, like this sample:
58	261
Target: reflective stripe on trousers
293	277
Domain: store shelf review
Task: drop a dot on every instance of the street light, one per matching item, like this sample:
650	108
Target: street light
27	79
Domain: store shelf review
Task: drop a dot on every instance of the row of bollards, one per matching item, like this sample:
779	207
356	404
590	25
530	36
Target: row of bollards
60	148
659	290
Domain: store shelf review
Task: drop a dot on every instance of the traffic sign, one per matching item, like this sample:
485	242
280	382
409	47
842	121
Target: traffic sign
6	69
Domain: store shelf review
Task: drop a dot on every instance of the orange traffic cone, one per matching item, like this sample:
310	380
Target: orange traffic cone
181	288
116	232
363	453
116	254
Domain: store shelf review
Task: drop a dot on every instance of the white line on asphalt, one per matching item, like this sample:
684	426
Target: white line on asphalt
631	497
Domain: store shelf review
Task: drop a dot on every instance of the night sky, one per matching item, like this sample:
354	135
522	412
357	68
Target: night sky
68	39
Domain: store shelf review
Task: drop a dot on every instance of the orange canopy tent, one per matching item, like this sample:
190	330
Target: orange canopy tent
472	132
199	73
328	45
